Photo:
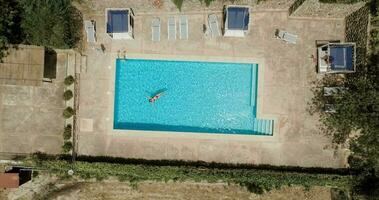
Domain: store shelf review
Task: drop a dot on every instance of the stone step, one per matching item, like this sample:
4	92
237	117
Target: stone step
263	126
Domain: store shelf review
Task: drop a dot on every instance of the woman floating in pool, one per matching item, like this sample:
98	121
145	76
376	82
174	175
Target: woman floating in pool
155	97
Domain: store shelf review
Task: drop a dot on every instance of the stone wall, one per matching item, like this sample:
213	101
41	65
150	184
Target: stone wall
146	6
356	31
317	9
295	6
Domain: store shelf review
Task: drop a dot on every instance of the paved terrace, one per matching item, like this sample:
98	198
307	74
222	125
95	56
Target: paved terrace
31	110
286	73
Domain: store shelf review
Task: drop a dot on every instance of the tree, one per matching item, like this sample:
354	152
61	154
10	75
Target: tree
10	31
356	120
51	23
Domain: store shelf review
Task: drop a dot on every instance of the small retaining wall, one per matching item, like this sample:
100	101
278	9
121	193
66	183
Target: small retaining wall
356	31
295	6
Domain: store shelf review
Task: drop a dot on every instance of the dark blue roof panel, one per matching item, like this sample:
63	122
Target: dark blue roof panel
238	18
117	21
342	58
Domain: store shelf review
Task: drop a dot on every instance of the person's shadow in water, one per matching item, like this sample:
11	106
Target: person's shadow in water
157	92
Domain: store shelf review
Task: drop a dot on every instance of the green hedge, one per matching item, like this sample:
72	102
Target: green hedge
198	164
255	178
257	181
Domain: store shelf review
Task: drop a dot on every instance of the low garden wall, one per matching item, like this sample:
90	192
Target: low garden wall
357	31
295	6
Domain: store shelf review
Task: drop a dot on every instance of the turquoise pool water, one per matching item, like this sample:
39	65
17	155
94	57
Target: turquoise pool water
209	97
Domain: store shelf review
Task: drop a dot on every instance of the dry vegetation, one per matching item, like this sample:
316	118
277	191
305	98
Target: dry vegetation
160	190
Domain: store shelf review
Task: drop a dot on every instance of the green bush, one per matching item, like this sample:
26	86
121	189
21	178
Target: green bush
67	147
67	95
68	112
69	80
67	132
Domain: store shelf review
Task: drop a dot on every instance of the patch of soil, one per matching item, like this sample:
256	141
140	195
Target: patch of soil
187	190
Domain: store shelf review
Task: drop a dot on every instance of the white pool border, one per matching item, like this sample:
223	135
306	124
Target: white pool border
174	134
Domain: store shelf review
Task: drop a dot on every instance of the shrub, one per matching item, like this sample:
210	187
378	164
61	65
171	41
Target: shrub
67	95
68	112
69	80
67	132
67	146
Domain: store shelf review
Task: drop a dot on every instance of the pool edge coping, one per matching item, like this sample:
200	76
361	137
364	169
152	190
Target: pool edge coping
168	134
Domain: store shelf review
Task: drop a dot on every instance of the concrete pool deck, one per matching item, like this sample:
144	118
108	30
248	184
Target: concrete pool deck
286	72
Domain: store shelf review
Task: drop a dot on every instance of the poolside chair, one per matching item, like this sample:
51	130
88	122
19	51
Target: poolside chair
213	25
331	91
183	27
90	28
330	108
285	36
156	30
171	28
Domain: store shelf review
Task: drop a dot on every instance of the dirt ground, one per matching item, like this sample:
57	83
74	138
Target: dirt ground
160	190
168	191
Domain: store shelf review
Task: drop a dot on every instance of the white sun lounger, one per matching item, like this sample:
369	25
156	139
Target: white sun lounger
213	25
171	28
156	30
330	91
284	35
90	28
183	27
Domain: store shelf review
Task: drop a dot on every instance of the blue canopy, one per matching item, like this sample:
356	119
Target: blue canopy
341	58
238	18
117	21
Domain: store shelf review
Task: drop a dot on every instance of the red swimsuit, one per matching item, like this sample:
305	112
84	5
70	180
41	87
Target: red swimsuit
152	100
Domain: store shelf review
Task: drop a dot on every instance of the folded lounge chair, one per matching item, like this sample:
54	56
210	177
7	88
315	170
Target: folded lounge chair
90	28
171	28
213	25
183	27
284	35
156	30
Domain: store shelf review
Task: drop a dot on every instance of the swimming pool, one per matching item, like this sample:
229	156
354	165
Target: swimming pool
210	97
